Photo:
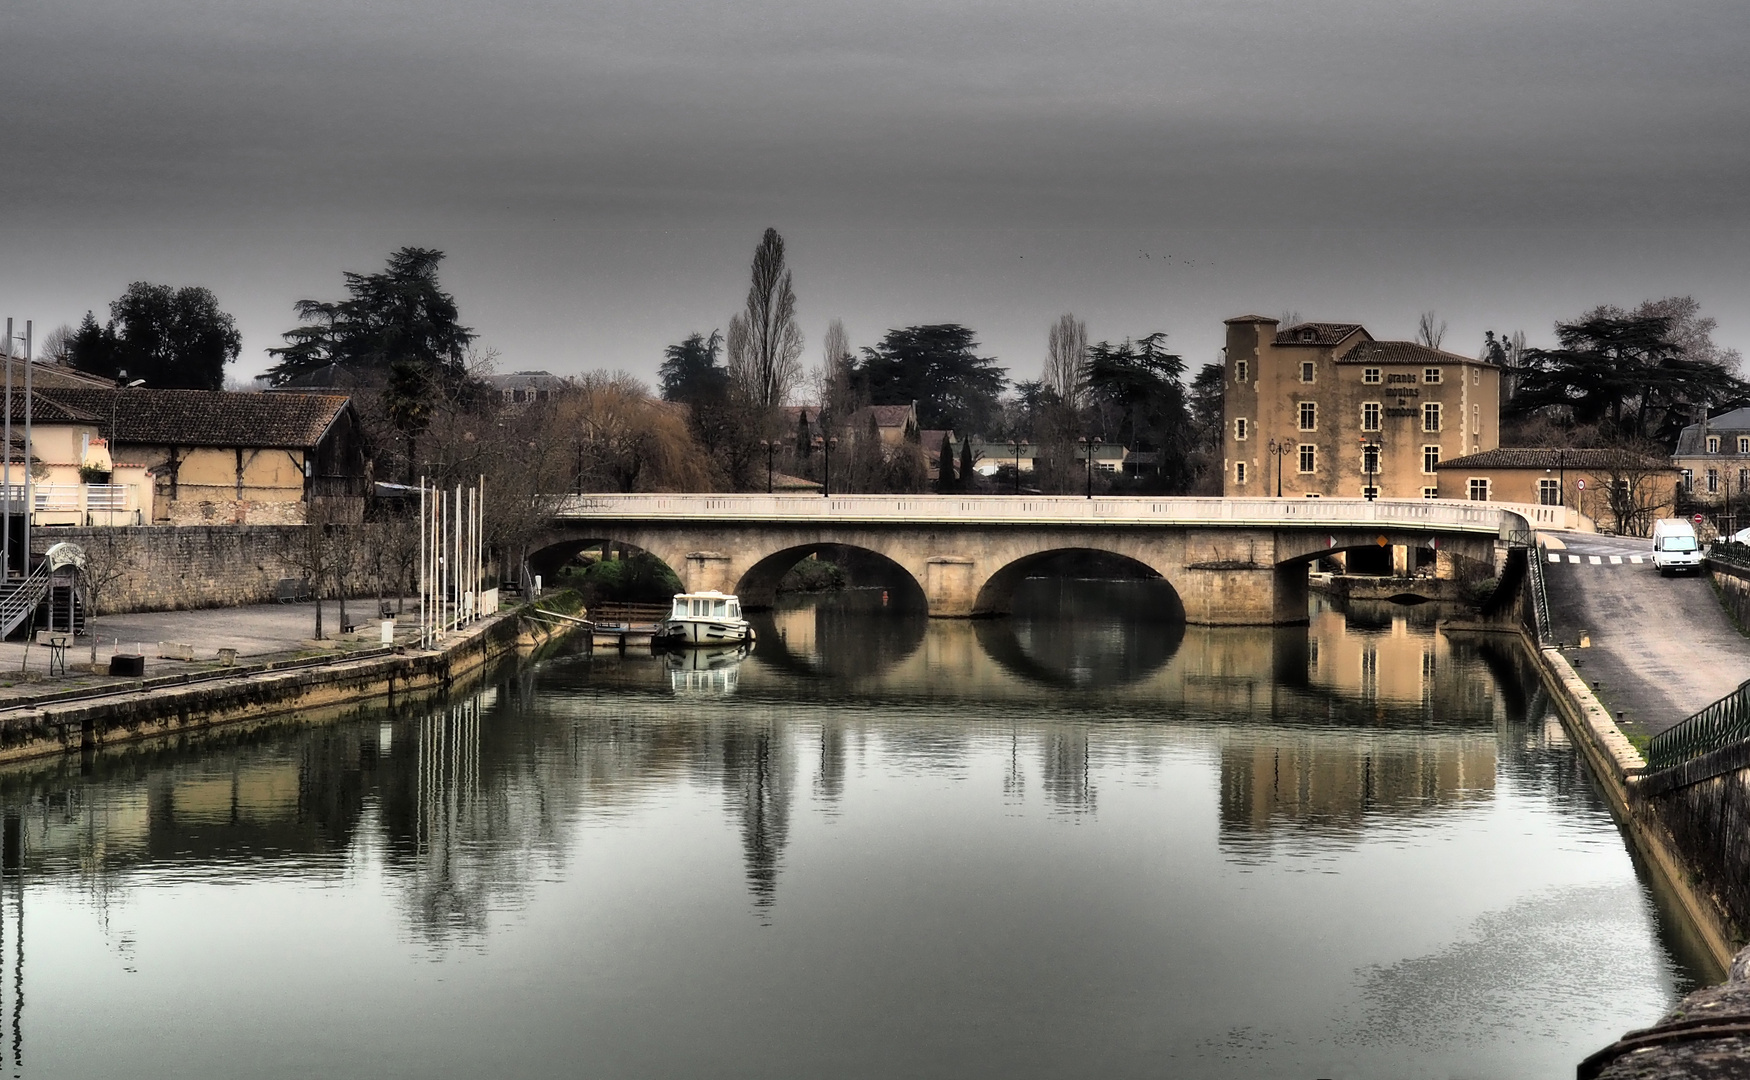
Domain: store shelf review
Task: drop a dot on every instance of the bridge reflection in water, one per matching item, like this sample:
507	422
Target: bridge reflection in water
1311	736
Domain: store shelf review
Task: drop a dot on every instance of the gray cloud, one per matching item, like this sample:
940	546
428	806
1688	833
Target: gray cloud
599	172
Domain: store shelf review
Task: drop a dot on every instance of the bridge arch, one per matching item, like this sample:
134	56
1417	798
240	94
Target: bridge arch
549	554
758	584
996	594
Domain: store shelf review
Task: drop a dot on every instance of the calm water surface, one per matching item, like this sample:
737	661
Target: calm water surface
1071	843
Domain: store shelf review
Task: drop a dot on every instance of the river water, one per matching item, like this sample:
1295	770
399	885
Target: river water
1075	842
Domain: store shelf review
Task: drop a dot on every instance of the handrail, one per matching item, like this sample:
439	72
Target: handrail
1509	521
23	599
1725	722
1540	621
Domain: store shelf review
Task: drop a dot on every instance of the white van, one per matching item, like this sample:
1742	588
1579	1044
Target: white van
1675	549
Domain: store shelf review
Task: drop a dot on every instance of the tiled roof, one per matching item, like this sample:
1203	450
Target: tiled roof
1550	457
208	417
1250	319
44	410
1401	352
1316	333
44	375
887	416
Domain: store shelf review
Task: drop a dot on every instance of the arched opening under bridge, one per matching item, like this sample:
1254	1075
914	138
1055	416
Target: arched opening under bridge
1081	582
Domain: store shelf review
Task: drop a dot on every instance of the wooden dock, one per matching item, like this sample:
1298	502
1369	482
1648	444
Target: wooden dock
622	626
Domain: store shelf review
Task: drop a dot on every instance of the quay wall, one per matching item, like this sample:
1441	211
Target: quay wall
175	706
177	567
1732	580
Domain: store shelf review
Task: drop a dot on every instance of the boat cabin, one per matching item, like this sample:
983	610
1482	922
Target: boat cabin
706	605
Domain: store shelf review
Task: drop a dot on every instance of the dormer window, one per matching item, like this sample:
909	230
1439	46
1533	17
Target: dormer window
1713	444
1744	444
1309	335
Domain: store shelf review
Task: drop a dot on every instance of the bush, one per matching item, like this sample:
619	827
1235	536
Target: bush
636	579
813	575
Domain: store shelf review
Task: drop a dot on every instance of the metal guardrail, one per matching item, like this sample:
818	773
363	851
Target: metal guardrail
1725	722
1539	595
1508	521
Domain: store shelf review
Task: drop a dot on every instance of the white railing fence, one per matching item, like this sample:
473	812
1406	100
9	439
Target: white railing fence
1132	510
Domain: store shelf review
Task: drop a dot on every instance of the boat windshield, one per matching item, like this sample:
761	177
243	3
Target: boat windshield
734	610
680	607
1678	543
719	607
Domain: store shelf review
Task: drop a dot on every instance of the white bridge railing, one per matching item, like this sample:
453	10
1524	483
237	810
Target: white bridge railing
1506	520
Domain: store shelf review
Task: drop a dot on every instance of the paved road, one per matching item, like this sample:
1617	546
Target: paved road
1662	648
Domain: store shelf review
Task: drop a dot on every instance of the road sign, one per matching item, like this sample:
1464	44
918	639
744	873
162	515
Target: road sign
1696	519
1582	485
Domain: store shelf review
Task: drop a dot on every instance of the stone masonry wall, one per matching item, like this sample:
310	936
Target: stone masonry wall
1734	585
189	566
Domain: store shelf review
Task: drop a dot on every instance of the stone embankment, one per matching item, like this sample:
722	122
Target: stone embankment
86	720
1665	649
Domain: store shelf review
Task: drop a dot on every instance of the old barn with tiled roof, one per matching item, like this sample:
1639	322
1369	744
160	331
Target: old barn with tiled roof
218	457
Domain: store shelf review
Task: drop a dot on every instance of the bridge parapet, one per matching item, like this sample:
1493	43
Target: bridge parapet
1507	521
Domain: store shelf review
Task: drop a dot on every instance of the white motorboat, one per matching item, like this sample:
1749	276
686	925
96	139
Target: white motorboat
704	618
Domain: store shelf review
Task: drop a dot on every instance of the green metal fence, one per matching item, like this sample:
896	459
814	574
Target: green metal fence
1723	723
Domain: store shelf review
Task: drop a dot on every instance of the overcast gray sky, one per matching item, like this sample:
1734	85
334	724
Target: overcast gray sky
599	173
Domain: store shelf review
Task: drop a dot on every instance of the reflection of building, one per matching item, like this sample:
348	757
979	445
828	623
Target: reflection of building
1391	665
1346	412
1334	780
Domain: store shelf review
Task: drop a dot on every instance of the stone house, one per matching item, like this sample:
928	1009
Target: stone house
1713	459
1622	491
1322	409
217	457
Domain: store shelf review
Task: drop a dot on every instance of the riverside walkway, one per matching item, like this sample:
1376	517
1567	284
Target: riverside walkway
258	632
1661	648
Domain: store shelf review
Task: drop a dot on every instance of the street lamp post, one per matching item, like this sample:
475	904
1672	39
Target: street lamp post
1090	444
1279	449
770	446
1370	460
826	446
1015	448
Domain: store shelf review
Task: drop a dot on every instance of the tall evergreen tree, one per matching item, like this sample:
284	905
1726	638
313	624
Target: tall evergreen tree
173	338
945	479
938	367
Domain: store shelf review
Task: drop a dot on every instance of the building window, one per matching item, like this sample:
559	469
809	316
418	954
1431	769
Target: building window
1744	444
1370	460
1743	481
1309	457
1309	416
1549	492
1713	481
1431	416
1306	371
1430	458
1713	444
1239	371
1688	480
1239	472
1370	375
1240	429
1430	374
1479	489
1476	419
1370	416
1431	493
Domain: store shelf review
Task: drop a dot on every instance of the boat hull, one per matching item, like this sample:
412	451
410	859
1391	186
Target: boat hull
703	632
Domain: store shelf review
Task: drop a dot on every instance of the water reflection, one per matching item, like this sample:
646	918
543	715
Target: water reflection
1252	752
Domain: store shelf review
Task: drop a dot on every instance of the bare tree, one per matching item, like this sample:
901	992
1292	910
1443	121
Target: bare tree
311	549
1637	485
764	342
57	345
1066	354
834	383
107	560
1430	330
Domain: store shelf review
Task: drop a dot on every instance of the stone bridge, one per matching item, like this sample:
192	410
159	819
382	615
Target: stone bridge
1231	561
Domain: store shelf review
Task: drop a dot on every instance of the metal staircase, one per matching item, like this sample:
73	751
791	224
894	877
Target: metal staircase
19	599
